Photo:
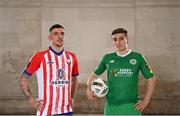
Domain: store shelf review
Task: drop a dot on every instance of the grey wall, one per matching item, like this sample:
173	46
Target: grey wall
154	30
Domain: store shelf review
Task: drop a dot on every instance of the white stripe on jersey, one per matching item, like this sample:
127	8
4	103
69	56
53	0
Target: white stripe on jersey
60	88
66	87
47	85
39	75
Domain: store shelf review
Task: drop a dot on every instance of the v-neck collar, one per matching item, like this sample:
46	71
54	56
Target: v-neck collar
57	53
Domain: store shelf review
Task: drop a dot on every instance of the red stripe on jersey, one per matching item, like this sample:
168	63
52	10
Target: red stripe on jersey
45	87
69	85
57	88
63	88
50	87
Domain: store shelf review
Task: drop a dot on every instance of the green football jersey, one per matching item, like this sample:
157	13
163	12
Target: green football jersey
122	73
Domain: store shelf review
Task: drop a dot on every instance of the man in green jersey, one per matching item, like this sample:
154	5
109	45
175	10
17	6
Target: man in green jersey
123	67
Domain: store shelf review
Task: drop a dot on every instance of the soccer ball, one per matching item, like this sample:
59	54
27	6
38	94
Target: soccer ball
99	87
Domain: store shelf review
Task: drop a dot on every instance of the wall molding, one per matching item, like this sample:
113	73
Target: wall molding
20	3
90	3
155	3
87	3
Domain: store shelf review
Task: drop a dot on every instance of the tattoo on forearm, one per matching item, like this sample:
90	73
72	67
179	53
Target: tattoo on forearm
27	93
25	88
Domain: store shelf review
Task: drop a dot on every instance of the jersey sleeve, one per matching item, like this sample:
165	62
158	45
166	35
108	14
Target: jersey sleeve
75	69
101	67
145	68
33	65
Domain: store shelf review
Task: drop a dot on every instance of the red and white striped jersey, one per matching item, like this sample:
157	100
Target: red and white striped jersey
54	73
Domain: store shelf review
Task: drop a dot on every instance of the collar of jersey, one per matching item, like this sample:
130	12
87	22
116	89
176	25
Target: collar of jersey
124	54
58	53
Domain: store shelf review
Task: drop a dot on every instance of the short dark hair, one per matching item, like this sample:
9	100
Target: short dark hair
119	30
55	26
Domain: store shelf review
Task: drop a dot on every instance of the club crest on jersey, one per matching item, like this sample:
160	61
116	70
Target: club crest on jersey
60	73
133	61
68	61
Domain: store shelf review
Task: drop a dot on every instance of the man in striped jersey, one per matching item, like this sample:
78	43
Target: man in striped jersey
56	71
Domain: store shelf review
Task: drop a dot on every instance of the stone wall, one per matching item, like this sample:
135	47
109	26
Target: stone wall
154	30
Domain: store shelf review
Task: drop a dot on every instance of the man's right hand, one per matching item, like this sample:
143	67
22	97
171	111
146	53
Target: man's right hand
23	82
90	95
36	103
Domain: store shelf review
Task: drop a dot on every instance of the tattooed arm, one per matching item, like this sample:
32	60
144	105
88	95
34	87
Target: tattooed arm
23	83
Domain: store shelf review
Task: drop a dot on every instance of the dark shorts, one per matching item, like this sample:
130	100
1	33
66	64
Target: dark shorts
65	114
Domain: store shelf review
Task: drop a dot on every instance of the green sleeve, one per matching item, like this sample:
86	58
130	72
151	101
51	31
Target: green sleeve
101	67
145	68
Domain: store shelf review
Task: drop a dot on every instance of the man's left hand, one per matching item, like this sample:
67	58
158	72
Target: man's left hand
141	105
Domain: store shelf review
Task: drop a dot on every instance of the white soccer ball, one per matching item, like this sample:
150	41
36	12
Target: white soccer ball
99	87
